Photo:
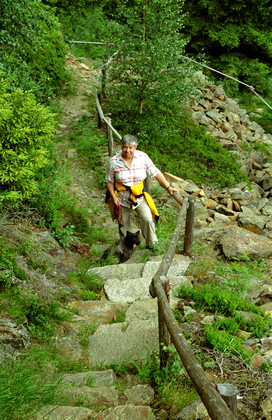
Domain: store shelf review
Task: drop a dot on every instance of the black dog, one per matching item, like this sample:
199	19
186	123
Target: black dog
124	248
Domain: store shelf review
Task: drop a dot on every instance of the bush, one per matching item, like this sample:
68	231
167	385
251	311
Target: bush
26	129
32	54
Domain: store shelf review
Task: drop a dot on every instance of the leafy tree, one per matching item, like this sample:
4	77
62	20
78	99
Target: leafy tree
235	35
146	74
32	54
26	128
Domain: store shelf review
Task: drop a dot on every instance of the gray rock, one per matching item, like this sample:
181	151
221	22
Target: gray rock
128	290
51	412
101	396
200	118
178	267
250	221
140	394
119	271
216	116
92	378
128	341
142	310
97	312
197	410
236	243
13	338
128	412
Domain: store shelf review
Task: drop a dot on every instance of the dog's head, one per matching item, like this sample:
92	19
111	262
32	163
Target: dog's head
132	239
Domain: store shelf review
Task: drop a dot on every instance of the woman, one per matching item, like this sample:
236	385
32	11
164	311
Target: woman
125	178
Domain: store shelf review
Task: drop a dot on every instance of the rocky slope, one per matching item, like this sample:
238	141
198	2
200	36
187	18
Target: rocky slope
237	220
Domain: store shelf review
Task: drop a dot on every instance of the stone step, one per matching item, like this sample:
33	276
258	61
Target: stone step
97	388
126	271
123	342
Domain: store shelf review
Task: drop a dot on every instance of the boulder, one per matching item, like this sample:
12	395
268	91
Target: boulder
131	412
243	244
13	338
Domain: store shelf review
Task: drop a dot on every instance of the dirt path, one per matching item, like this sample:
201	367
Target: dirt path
81	182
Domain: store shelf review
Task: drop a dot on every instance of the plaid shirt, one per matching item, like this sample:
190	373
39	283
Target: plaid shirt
141	167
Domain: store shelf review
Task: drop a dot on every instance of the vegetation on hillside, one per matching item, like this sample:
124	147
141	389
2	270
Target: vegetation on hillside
235	37
32	54
26	131
150	92
147	82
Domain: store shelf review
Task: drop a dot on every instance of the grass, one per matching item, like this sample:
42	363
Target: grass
173	387
29	383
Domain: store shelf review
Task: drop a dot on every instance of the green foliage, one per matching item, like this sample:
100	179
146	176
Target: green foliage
259	325
225	342
235	37
228	324
265	121
28	384
90	26
26	129
147	74
222	334
172	383
65	236
8	266
217	299
238	274
42	316
179	146
90	284
32	55
85	332
252	71
88	143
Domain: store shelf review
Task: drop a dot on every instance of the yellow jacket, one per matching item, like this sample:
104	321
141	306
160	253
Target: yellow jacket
137	191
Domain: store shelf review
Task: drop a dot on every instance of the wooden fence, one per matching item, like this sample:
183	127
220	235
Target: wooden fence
220	403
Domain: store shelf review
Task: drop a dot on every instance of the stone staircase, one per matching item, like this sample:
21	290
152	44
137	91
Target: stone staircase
126	289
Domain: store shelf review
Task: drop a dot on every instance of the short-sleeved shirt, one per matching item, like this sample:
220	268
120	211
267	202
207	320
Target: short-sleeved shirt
141	167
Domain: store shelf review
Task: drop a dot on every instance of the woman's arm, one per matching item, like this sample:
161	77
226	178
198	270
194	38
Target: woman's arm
165	184
110	188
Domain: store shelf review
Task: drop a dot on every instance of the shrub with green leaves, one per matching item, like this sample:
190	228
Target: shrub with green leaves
26	129
225	342
42	316
32	54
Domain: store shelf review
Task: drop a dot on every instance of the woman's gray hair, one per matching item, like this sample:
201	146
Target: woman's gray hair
130	139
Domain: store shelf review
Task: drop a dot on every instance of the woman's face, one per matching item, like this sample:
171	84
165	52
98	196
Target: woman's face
128	150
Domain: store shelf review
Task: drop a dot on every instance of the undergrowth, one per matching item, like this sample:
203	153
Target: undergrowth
231	309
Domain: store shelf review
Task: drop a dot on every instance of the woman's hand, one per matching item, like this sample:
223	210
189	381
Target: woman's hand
172	190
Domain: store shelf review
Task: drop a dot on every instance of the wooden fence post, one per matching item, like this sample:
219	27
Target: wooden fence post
99	119
189	227
110	139
229	394
103	83
164	336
